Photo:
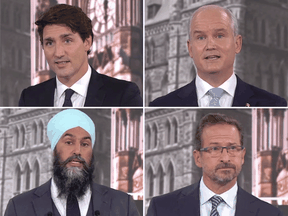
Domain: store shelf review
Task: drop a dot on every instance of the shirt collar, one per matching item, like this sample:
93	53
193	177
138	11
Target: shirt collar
81	86
202	87
228	196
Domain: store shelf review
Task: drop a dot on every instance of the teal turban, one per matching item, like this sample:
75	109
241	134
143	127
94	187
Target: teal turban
66	120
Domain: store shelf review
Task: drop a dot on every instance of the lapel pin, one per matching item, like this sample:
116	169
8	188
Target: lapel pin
247	105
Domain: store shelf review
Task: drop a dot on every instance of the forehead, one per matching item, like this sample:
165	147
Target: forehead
221	133
210	19
77	132
56	30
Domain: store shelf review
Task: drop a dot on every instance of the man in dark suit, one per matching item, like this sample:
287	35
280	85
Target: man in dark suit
66	36
213	44
220	154
71	191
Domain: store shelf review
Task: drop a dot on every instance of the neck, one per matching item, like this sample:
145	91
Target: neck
218	188
215	79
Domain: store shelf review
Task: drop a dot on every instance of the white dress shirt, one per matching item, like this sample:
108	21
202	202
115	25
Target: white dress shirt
202	88
224	209
80	88
60	202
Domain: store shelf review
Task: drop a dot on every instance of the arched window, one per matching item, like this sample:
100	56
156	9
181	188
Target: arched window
161	180
17	179
36	174
150	178
167	133
16	140
147	55
148	137
34	133
171	177
154	136
255	28
27	177
22	137
41	132
175	131
278	35
263	32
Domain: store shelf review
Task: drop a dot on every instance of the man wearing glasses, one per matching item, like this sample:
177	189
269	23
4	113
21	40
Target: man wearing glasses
220	153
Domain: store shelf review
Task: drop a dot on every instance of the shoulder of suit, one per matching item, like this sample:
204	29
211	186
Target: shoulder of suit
42	85
107	190
112	80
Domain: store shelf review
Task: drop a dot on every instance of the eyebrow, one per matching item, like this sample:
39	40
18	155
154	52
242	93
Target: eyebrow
61	36
217	30
71	135
216	143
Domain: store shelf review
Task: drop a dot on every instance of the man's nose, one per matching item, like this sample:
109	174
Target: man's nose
224	155
77	149
210	43
59	50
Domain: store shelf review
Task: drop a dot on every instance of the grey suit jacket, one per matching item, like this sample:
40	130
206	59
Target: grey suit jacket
38	202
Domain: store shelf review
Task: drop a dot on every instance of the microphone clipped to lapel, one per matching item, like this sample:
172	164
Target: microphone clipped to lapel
49	214
97	213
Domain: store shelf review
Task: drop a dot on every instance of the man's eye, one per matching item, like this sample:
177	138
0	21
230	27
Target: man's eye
85	144
216	148
201	38
68	142
220	36
67	41
49	43
233	147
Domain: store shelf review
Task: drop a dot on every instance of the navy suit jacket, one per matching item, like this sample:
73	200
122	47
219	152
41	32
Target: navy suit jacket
244	94
38	202
186	202
102	91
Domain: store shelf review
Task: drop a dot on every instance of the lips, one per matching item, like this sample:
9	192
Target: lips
212	57
61	62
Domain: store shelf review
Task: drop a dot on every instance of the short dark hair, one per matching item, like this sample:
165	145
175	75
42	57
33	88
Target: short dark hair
71	16
213	119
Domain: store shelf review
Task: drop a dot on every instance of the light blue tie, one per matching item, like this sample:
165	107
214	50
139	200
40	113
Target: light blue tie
215	200
216	94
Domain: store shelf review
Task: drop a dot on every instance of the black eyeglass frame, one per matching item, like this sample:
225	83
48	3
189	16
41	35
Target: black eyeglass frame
223	147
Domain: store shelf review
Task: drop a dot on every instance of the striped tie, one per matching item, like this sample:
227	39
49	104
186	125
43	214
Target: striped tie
215	200
216	94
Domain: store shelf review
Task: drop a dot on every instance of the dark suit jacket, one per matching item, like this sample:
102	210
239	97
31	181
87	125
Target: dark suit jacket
102	91
38	202
186	202
244	93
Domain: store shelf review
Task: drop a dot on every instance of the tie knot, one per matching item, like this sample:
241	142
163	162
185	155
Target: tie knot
216	92
216	200
68	93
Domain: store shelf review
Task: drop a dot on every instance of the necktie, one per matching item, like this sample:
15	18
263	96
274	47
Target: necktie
215	200
72	207
216	94
68	95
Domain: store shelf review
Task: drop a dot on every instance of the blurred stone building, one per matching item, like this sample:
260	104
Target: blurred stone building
270	157
127	151
262	62
169	139
117	45
14	50
25	152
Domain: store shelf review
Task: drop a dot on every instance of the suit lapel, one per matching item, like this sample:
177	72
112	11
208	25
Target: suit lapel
188	202
242	94
43	203
95	93
188	95
101	201
244	204
47	97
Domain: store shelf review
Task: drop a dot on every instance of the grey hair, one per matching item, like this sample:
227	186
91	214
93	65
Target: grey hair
234	21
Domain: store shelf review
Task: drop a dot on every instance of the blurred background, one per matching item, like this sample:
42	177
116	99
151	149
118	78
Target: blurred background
26	157
262	62
117	48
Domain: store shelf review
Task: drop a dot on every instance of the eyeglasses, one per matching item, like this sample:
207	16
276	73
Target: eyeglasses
216	151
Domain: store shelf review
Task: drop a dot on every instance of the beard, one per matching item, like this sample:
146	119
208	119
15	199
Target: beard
225	176
72	180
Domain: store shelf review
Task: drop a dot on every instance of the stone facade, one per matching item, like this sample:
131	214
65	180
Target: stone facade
262	61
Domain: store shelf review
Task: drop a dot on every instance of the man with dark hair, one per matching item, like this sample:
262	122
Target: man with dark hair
220	153
71	191
213	44
66	36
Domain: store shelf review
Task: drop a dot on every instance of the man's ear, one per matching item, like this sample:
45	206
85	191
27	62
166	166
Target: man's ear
197	158
238	44
88	43
189	47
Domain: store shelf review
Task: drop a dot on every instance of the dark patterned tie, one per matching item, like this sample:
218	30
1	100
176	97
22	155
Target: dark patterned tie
215	200
68	95
72	207
216	94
